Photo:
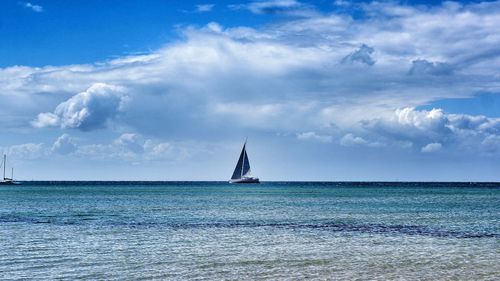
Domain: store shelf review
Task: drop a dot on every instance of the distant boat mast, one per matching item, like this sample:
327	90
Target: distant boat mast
6	180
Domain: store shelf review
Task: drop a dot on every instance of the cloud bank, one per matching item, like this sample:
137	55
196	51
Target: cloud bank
431	131
328	77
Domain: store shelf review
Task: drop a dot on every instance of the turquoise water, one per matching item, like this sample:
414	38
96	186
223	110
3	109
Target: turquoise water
182	230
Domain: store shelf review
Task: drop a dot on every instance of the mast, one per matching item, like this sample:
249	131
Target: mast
4	164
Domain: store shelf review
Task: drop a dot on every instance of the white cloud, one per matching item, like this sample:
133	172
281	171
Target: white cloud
132	142
491	144
33	7
87	110
46	119
431	147
422	120
342	3
432	129
24	151
64	145
314	137
287	7
352	140
203	8
128	147
155	150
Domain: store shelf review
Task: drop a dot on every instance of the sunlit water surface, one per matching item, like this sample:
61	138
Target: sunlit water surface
216	231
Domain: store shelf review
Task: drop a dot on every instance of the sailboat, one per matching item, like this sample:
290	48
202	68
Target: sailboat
5	179
242	172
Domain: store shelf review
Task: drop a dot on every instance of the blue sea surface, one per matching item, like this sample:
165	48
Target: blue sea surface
274	230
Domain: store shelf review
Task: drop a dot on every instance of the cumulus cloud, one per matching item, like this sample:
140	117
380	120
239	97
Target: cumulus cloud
352	140
314	137
155	150
33	7
431	147
431	129
46	119
64	145
361	55
411	122
131	142
87	110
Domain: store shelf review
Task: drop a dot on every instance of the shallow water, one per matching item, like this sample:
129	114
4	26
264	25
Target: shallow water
183	230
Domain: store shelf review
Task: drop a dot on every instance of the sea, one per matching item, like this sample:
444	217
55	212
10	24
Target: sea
267	231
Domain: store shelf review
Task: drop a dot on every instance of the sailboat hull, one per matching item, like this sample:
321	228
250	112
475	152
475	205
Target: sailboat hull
8	182
245	180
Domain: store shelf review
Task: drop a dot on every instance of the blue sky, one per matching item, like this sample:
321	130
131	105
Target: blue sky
324	90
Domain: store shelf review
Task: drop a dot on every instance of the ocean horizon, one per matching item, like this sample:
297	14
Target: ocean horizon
111	230
374	182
